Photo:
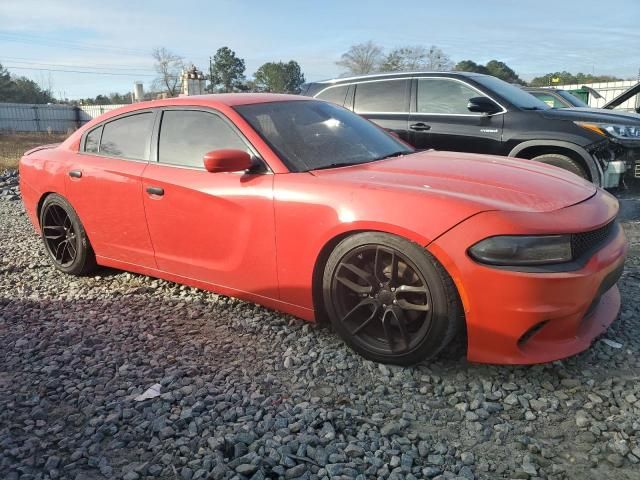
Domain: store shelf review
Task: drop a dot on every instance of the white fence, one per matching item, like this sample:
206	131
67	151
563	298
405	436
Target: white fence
608	90
28	117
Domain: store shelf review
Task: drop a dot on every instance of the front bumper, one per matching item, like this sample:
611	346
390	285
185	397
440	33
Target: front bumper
525	317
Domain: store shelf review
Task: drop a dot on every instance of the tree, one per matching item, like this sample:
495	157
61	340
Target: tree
405	59
503	72
361	58
21	89
169	68
567	78
226	71
470	66
279	77
437	60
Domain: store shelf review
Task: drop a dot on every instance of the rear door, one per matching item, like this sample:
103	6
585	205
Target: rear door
213	227
385	102
440	118
104	185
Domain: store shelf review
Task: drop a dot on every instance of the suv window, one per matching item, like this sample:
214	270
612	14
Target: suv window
92	142
550	100
186	135
384	96
444	96
334	94
128	137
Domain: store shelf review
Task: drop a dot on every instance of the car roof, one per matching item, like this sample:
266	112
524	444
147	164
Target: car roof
228	99
391	75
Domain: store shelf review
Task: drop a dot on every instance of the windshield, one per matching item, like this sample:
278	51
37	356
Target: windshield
308	135
572	99
512	94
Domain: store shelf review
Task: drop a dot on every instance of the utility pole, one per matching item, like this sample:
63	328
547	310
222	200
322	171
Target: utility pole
211	74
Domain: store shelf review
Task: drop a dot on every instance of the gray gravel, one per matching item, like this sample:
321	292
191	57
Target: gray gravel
249	393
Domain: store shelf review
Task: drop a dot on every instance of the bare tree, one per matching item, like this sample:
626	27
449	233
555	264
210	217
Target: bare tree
405	59
169	67
361	58
437	60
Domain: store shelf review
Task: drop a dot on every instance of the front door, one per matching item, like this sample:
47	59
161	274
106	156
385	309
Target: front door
213	227
440	119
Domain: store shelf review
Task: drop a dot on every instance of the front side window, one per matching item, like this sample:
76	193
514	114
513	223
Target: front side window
186	135
335	95
92	142
444	96
382	96
308	134
128	137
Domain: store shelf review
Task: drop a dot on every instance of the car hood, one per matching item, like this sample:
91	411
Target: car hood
624	116
596	115
488	182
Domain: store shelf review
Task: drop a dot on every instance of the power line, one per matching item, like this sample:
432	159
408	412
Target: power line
53	42
81	71
101	66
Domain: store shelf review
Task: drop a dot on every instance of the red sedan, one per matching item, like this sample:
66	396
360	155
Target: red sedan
305	207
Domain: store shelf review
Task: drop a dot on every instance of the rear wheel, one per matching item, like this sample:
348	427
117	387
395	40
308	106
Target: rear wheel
64	237
564	162
389	299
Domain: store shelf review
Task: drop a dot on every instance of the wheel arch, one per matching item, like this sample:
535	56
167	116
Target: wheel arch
534	148
41	200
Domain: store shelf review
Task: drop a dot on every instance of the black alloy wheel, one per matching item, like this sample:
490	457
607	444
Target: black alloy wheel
390	300
64	237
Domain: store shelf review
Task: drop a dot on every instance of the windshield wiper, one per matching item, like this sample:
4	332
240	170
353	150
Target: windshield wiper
337	165
394	154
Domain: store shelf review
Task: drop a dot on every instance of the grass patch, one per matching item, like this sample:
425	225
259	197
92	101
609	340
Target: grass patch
13	145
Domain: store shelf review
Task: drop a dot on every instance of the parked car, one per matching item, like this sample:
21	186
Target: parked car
469	112
305	207
556	98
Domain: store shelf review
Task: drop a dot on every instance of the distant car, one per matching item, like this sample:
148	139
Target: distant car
556	98
305	207
470	112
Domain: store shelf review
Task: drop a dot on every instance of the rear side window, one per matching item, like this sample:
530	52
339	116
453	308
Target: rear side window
444	96
385	96
185	136
334	94
128	137
92	142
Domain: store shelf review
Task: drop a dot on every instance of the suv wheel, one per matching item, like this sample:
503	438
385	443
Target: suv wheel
564	162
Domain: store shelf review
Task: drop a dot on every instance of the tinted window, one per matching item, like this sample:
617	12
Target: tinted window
550	100
442	95
387	96
308	134
128	137
512	94
572	99
92	142
185	136
334	94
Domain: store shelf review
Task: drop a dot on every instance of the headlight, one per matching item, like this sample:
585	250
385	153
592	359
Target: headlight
523	250
623	132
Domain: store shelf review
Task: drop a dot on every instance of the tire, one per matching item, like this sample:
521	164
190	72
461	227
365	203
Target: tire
401	318
64	237
564	162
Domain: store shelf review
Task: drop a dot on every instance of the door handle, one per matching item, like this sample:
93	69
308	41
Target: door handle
155	191
420	127
75	173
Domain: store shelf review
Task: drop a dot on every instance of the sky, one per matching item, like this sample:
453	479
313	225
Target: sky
116	37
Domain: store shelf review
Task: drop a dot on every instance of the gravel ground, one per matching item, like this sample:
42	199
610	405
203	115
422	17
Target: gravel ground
249	393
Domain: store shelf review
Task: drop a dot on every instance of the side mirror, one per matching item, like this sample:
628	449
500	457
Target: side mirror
227	160
483	105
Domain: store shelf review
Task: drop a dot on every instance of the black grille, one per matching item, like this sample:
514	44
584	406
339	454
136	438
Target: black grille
583	243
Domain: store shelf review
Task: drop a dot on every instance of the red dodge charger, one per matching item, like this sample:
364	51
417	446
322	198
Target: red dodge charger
305	207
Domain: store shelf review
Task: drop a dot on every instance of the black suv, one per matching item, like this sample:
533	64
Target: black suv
470	112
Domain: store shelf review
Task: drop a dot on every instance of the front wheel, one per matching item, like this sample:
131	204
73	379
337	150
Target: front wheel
389	299
64	237
564	162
